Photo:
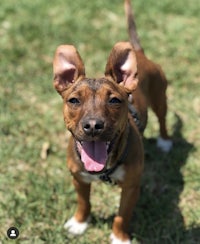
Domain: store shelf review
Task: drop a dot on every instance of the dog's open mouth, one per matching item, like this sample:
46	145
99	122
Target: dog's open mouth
93	154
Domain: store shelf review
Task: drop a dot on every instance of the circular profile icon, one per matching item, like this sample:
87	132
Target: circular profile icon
12	233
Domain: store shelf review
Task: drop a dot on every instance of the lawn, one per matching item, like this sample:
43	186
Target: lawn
36	194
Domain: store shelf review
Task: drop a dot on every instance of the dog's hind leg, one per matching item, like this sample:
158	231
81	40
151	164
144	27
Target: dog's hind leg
159	107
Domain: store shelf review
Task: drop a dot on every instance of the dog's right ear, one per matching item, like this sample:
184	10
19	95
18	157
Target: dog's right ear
68	67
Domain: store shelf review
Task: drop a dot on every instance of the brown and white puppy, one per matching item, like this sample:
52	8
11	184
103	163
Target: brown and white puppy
105	141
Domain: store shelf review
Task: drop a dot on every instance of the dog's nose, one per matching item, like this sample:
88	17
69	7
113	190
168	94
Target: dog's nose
93	127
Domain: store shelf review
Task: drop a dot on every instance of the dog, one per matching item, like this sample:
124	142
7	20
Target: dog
107	117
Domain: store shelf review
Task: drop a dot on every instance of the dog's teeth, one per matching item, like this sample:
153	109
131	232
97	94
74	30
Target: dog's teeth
107	145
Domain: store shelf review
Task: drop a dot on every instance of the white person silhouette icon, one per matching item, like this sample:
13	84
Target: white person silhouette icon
12	233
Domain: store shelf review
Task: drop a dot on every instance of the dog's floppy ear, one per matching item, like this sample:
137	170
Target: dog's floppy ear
122	66
67	67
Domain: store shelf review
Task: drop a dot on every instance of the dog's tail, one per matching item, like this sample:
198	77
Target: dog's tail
132	26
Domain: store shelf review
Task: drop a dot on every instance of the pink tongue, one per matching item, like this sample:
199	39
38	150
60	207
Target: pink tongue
94	155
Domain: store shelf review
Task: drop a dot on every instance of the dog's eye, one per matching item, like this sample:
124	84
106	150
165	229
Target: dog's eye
74	100
114	100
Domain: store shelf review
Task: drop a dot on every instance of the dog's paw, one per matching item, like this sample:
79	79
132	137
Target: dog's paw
76	228
115	240
164	144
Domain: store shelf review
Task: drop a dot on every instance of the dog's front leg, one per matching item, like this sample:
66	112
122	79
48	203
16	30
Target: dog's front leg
129	197
79	222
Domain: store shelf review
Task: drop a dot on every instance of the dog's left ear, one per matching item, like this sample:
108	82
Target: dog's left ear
68	67
122	66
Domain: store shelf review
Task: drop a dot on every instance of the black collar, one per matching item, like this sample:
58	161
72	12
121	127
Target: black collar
135	116
134	113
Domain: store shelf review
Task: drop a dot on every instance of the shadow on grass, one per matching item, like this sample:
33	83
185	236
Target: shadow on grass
157	218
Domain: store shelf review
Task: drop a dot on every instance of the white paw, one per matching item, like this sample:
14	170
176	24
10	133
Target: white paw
76	228
164	144
115	240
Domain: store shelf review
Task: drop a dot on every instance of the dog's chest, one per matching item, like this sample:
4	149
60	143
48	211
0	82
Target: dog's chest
117	175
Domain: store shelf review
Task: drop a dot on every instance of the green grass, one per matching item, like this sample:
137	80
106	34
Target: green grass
36	194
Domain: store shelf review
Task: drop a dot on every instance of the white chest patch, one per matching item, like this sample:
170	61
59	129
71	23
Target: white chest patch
117	175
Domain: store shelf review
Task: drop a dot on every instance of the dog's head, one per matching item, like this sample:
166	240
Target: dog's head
95	110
